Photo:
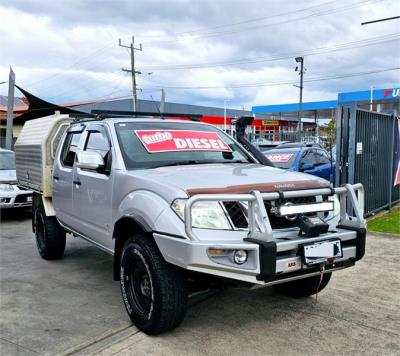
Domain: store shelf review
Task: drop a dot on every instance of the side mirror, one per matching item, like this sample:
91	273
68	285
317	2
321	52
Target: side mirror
89	160
307	166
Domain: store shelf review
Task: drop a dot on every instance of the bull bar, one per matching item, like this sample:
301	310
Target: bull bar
351	197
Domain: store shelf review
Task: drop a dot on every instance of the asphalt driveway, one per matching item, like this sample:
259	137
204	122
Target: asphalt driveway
73	306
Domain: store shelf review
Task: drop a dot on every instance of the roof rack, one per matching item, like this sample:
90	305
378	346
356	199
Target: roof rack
105	114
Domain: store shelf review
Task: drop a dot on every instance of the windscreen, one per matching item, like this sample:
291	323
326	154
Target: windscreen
7	160
282	158
150	145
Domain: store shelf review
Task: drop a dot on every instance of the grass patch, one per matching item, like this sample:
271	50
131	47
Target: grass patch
388	222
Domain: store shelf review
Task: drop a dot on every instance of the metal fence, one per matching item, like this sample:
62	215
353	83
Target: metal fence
366	153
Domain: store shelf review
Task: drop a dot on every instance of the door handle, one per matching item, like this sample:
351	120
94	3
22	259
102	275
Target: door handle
56	177
77	181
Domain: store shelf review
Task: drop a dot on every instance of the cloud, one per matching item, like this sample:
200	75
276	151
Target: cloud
68	50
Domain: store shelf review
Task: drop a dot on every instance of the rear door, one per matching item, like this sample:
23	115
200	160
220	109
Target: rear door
92	190
63	175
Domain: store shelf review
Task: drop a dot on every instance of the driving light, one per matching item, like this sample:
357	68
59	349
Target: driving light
285	210
205	215
6	187
240	256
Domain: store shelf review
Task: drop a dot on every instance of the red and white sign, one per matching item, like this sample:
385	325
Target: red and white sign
280	157
181	140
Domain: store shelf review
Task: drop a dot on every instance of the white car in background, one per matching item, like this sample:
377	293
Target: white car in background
11	196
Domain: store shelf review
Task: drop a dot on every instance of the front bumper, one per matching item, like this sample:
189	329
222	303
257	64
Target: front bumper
269	262
16	198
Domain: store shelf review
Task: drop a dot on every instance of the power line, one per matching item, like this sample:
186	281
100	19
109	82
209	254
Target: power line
88	57
287	55
285	82
315	14
231	24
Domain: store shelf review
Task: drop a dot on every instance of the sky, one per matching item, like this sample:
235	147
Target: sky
200	52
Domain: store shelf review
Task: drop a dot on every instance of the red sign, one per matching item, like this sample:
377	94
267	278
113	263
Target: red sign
181	140
280	157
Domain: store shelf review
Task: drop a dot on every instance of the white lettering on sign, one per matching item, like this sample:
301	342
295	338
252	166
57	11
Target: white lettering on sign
157	137
181	140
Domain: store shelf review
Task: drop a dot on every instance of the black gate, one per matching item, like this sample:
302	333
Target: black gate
366	153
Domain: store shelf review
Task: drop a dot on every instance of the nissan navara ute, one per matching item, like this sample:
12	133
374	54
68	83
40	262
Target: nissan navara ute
177	200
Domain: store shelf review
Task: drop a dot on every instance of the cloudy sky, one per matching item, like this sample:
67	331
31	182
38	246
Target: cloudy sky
201	52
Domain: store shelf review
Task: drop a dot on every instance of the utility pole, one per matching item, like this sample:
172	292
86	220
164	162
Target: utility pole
132	70
10	110
301	73
162	101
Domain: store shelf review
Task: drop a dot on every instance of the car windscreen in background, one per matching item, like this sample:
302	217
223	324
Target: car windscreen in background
7	160
282	158
149	145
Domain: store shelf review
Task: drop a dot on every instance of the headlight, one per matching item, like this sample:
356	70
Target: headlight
6	187
205	215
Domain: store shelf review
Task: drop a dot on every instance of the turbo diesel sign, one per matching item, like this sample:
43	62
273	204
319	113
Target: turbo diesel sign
181	140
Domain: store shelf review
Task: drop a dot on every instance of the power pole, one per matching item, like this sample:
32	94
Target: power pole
301	73
10	110
132	70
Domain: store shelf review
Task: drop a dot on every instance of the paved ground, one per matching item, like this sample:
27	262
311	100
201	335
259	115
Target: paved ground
73	306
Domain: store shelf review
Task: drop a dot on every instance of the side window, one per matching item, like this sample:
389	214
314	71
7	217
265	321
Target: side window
308	157
69	148
97	141
322	157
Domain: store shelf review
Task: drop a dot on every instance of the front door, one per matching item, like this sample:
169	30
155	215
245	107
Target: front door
92	190
63	175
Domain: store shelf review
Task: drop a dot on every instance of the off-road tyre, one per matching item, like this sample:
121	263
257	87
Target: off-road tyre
302	288
154	292
50	236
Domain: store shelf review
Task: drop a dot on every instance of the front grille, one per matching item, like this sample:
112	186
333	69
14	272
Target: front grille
22	198
238	215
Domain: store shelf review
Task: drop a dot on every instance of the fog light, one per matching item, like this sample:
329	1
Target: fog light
240	256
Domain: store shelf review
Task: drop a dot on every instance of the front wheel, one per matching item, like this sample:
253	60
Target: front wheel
302	288
154	292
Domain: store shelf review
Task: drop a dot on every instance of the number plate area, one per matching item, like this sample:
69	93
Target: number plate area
321	252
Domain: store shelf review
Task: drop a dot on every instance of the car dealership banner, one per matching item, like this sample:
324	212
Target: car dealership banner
181	140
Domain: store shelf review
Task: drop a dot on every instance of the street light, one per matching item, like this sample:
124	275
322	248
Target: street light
225	101
371	98
301	72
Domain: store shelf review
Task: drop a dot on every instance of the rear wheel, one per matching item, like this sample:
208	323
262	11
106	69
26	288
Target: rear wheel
154	292
50	236
302	288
